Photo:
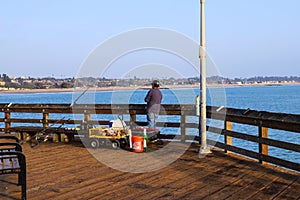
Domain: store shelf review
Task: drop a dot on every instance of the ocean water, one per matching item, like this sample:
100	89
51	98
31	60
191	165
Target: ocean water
284	99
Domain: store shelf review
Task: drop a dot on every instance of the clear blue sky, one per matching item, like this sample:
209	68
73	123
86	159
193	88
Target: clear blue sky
244	38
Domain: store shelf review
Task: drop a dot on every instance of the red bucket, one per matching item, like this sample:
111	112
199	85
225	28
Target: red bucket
138	144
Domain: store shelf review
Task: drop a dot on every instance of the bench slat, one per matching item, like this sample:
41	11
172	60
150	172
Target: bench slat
9	161
7	164
12	160
15	163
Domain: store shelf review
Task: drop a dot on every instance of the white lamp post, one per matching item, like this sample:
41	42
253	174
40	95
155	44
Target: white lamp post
204	149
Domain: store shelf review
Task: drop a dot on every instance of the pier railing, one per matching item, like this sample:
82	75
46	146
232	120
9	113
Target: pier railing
254	134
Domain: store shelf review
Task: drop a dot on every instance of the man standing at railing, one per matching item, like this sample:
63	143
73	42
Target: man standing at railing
153	99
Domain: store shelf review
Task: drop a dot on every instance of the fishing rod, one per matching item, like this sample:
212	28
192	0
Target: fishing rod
8	105
41	133
83	125
74	102
39	140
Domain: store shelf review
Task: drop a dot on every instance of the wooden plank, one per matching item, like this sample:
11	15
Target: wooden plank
263	149
93	174
25	120
270	159
259	120
45	119
291	191
224	177
195	177
156	186
228	139
9	190
173	186
76	186
238	150
266	119
183	129
89	188
132	122
238	185
64	181
281	162
142	180
117	185
7	123
56	172
255	186
265	141
275	188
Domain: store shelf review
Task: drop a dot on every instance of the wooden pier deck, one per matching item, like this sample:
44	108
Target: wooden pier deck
69	171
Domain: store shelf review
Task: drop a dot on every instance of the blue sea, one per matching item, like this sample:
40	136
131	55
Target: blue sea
284	99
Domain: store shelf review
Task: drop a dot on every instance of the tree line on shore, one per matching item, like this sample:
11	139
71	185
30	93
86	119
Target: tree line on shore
51	82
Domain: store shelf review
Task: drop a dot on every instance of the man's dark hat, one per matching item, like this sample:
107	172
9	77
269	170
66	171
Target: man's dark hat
155	83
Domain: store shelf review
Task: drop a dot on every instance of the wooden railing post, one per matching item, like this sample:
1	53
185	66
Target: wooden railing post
228	139
45	119
7	121
132	118
183	128
87	117
263	148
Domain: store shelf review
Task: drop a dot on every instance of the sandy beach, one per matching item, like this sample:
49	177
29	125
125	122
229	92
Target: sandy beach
59	90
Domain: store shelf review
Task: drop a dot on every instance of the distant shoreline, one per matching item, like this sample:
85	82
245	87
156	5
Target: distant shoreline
120	88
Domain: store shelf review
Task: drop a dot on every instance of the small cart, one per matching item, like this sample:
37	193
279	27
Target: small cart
109	137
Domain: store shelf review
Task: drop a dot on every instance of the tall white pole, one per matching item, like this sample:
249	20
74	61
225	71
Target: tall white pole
204	149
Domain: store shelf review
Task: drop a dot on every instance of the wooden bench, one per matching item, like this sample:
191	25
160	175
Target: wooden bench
12	160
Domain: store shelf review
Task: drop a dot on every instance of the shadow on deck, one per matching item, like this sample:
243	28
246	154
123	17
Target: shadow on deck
69	171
